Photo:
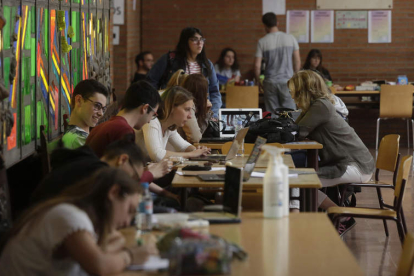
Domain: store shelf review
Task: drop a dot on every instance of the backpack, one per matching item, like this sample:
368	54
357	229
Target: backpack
275	130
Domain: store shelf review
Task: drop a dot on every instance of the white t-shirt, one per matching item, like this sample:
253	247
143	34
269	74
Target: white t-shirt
150	138
227	72
31	251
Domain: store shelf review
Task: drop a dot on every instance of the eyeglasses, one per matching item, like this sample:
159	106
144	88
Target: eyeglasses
136	174
196	40
97	106
155	113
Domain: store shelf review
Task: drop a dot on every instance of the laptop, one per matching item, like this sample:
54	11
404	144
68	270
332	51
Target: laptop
238	140
248	167
226	117
232	194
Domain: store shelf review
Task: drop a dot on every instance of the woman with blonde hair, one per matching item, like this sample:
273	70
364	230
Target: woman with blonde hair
177	79
344	157
174	112
75	233
193	129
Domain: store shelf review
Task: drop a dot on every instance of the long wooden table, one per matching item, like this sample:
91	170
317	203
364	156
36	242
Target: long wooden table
307	183
301	244
312	148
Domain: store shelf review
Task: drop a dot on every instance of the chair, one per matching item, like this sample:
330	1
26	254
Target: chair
242	97
248	147
396	102
387	160
389	214
406	264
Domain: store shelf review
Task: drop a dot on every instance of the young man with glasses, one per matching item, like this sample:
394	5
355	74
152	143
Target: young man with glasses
88	105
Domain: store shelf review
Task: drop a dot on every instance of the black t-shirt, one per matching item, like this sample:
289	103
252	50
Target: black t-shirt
138	77
68	167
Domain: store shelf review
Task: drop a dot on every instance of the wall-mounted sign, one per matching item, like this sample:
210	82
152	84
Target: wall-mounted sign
353	4
119	12
297	24
115	31
351	20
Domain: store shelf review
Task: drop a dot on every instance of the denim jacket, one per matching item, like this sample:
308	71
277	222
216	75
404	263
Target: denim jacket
156	74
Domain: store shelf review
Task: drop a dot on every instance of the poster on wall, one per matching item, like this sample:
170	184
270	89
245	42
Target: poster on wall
297	24
322	27
379	27
351	19
276	6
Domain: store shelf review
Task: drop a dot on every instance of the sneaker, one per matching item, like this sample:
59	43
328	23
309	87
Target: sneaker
345	226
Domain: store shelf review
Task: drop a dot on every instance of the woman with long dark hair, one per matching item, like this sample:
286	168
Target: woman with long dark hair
193	129
314	62
189	55
75	232
227	65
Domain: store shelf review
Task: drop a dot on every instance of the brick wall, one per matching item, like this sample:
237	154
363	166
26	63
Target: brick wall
237	23
123	55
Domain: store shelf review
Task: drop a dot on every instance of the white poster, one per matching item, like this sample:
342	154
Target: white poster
276	6
322	27
379	27
119	12
297	24
115	32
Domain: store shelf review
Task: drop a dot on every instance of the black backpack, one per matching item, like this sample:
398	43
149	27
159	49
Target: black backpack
275	130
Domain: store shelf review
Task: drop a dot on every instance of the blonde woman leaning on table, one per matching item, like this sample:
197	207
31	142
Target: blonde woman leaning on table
76	232
174	112
344	157
193	129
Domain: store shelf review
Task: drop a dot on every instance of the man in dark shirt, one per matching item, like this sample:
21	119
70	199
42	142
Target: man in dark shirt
144	62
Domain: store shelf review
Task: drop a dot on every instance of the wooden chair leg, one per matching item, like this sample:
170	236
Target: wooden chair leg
381	204
403	221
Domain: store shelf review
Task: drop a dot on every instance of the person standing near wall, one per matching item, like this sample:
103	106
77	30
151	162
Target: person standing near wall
280	51
144	62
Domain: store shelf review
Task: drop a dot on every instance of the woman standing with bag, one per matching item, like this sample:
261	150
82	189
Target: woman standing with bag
189	55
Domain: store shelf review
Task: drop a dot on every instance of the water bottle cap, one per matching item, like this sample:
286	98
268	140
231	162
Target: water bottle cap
145	185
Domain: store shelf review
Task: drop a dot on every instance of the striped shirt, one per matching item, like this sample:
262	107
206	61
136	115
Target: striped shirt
192	68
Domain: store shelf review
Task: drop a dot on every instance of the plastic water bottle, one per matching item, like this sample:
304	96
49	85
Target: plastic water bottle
144	220
238	126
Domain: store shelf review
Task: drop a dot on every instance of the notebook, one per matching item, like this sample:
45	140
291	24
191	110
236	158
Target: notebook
248	167
232	195
238	140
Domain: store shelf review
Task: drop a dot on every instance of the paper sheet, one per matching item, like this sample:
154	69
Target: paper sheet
153	263
297	24
322	27
276	6
379	27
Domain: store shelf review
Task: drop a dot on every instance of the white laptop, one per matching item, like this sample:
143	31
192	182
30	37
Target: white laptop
227	116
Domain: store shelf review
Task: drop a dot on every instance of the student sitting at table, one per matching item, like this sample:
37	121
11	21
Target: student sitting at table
228	66
314	61
175	111
193	129
88	105
344	157
76	232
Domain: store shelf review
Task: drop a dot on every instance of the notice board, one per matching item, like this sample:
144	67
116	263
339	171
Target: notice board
353	4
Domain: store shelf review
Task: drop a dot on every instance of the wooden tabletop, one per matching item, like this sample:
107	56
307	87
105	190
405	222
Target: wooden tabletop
301	244
368	92
240	161
306	181
292	145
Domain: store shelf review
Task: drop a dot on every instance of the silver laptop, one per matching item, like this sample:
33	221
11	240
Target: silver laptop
248	167
227	116
238	140
232	195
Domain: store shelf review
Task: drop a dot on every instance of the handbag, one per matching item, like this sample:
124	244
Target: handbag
213	129
275	130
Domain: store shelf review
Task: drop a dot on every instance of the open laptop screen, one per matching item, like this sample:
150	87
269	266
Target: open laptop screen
229	115
232	191
254	155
